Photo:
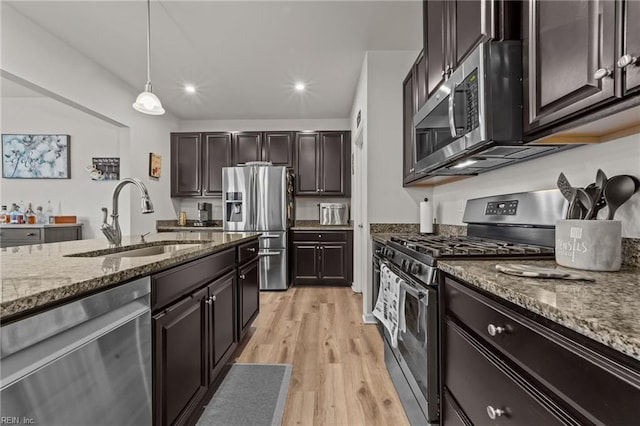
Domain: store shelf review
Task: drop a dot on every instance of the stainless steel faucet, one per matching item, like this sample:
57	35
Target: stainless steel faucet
112	231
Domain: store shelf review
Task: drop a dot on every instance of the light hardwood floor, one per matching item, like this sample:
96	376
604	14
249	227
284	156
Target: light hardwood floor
339	376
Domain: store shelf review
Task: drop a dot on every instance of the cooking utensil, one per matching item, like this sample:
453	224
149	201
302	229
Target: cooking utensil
574	211
564	186
586	202
599	201
618	191
538	272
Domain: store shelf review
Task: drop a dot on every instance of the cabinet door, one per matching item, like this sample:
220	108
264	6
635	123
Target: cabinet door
247	146
249	288
420	82
333	262
277	147
307	153
186	164
222	334
408	132
180	364
631	36
335	170
305	262
217	154
469	26
565	43
434	41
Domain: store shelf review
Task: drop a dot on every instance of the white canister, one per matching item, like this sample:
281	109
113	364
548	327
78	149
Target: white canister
593	245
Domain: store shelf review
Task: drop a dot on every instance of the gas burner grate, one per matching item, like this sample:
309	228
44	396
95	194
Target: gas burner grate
435	246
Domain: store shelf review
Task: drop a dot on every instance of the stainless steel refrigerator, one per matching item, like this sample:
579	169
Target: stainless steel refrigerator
259	198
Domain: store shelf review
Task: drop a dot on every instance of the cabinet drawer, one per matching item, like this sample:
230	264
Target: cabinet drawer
172	284
248	251
28	235
480	383
320	236
565	367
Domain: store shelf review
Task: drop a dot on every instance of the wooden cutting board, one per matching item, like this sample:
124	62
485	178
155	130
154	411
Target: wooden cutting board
537	272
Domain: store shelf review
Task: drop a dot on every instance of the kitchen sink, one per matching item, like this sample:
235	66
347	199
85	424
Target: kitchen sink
136	251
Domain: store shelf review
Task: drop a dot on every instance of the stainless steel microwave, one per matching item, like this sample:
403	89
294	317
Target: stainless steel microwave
478	107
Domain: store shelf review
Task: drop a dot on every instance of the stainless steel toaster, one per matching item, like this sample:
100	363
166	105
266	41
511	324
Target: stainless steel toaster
334	214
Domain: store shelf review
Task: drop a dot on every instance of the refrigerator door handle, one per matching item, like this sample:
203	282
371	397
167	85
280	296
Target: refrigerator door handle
268	253
262	237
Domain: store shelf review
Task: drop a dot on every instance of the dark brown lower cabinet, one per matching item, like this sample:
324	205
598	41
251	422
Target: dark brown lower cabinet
249	290
223	338
322	257
180	359
502	364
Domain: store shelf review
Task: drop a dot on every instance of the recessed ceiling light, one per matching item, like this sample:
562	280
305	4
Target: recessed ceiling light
190	88
300	87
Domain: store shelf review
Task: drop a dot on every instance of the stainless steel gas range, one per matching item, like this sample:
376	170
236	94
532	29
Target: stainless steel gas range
509	226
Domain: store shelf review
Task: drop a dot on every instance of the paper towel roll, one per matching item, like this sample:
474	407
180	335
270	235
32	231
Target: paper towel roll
426	217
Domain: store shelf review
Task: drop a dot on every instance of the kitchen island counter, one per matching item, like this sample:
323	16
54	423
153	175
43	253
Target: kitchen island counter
606	310
37	276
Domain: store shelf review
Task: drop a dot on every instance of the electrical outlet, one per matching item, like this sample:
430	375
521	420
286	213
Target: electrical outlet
460	206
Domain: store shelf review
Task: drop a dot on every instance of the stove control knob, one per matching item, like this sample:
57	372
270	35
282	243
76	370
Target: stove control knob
391	253
415	269
408	266
403	264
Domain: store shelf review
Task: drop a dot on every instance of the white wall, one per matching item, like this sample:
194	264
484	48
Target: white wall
388	201
33	55
579	165
89	137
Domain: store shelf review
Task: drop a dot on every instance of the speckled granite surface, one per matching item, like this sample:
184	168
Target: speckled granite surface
607	310
172	226
41	225
450	230
312	225
631	251
394	228
37	275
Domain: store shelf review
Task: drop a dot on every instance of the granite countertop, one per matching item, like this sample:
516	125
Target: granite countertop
36	275
607	310
383	237
37	225
178	228
314	225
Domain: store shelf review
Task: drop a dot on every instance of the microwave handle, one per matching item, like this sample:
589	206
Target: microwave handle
452	118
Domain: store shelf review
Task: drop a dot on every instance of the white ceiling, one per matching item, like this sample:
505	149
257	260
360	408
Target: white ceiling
243	56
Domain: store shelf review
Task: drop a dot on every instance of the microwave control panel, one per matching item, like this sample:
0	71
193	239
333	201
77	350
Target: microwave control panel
470	85
499	208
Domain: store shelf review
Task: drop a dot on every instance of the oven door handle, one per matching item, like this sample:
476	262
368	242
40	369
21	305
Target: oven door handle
418	294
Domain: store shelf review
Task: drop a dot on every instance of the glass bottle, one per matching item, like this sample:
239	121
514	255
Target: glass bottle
30	215
39	215
3	215
48	213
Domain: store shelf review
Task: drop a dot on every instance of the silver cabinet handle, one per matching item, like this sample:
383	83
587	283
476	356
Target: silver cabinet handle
493	330
251	249
243	276
319	235
626	60
411	170
208	301
31	234
213	298
602	73
494	412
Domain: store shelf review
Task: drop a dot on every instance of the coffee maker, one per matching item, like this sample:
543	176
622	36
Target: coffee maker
204	215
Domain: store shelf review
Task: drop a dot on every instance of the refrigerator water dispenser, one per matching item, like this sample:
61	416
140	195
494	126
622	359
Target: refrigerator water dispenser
233	207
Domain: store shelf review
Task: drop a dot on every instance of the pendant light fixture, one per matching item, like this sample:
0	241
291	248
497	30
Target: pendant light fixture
147	102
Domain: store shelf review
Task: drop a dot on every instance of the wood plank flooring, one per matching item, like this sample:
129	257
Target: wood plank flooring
339	376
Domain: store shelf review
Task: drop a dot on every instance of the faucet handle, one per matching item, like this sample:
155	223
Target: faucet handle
142	240
105	214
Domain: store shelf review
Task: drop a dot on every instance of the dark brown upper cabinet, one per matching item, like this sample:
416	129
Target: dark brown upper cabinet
247	146
186	164
452	30
323	163
277	147
217	154
629	33
408	131
197	160
569	58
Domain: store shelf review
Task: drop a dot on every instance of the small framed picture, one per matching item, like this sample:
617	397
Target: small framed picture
155	165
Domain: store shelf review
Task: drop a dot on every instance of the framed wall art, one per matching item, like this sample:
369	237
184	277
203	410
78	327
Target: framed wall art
155	165
105	168
36	157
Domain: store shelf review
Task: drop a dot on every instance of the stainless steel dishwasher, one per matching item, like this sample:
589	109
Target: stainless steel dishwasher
84	363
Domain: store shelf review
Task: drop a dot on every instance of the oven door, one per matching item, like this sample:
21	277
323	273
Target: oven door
417	351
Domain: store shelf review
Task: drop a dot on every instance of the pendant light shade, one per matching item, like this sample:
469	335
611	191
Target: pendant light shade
147	102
